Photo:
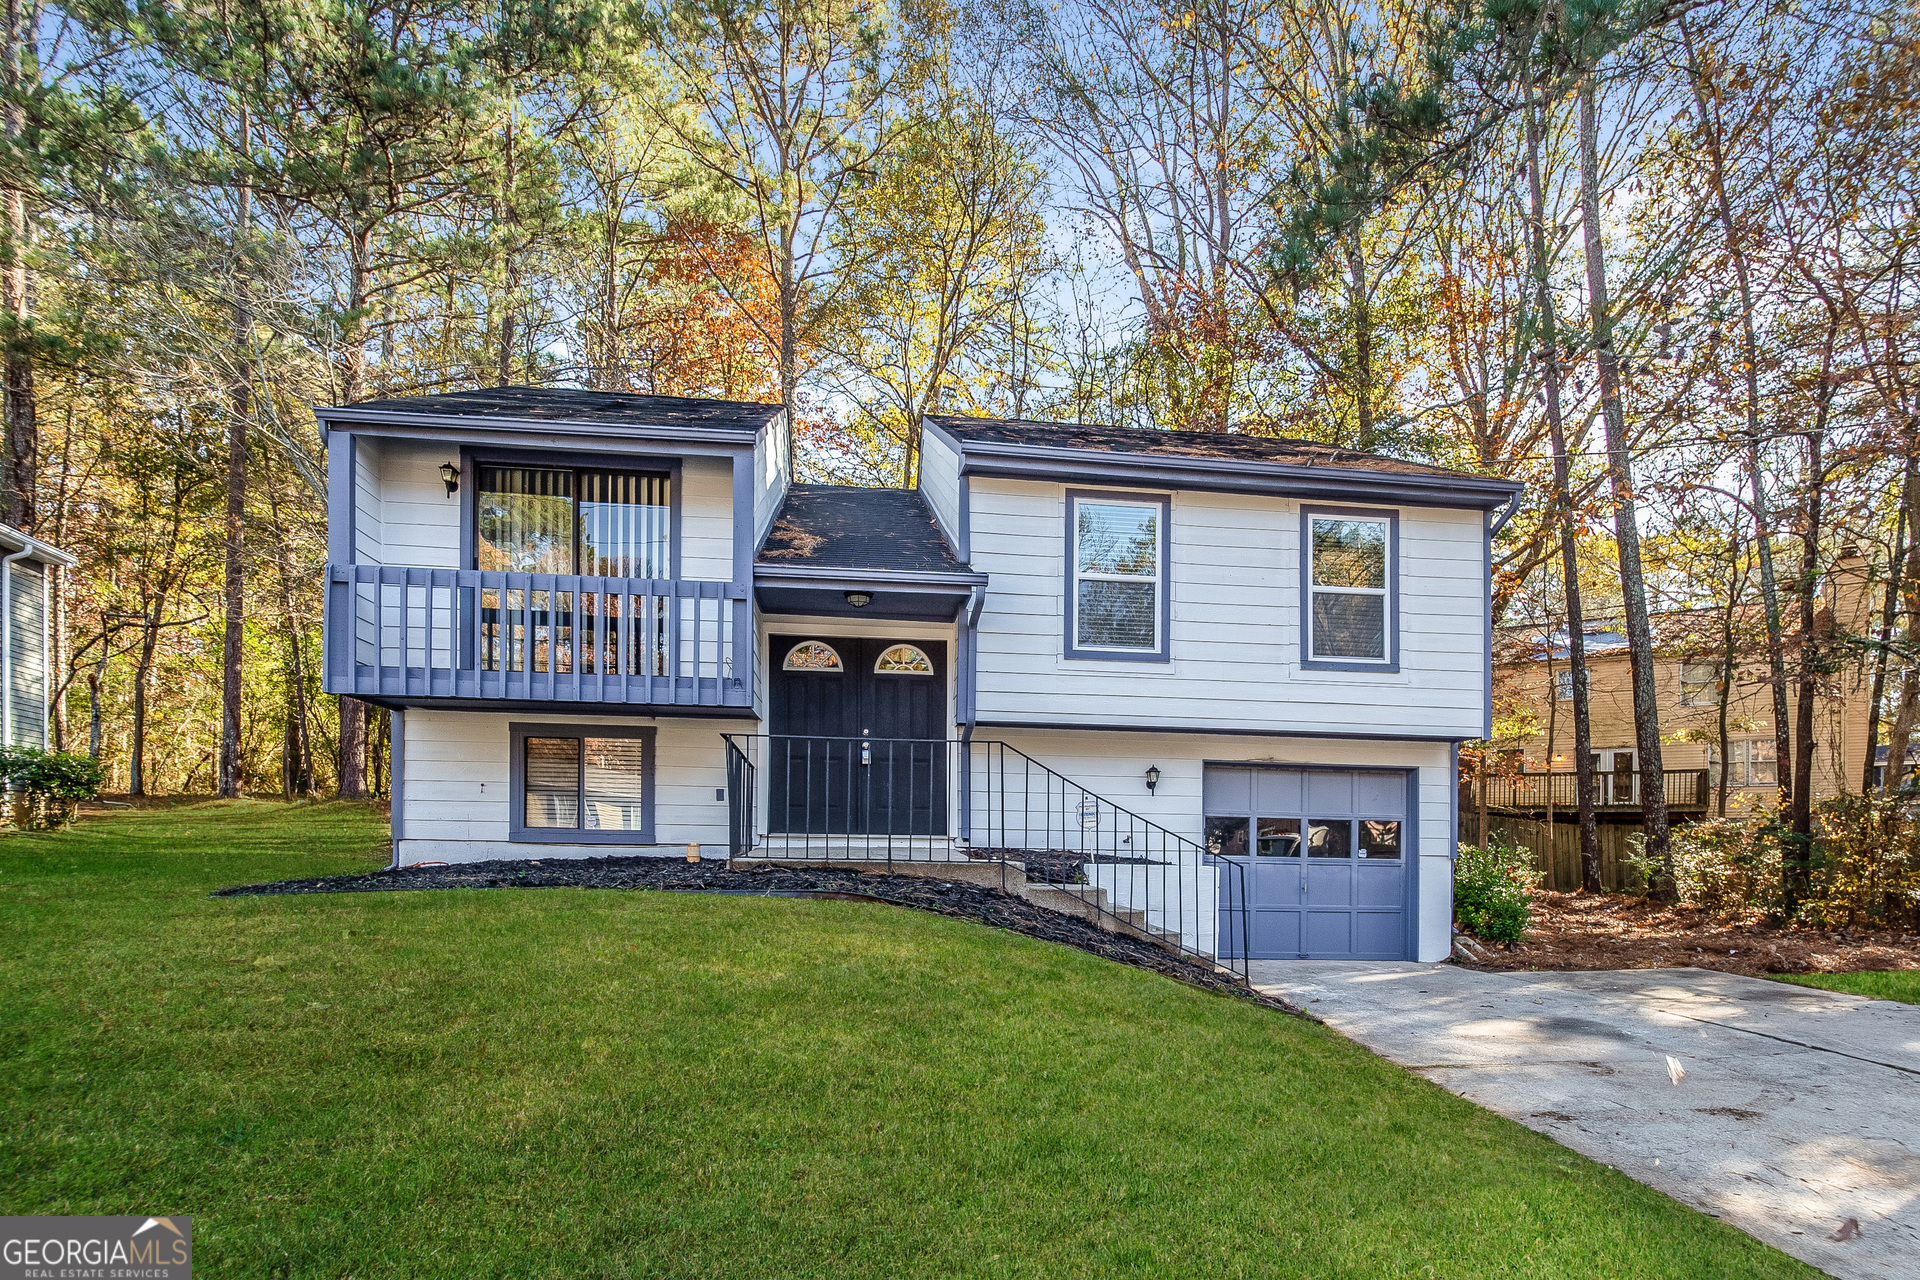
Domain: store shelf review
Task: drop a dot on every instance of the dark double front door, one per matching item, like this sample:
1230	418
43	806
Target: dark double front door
857	740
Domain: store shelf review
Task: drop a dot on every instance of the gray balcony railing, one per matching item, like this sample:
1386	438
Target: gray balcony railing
1613	790
467	633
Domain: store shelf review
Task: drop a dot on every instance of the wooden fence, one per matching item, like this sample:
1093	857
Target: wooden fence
1560	861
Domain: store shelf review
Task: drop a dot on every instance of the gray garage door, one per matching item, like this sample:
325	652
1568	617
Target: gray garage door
1324	857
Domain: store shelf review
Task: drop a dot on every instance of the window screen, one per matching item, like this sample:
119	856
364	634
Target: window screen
1348	570
1116	575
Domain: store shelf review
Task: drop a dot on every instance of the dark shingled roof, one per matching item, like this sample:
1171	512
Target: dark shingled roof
1183	444
841	527
548	404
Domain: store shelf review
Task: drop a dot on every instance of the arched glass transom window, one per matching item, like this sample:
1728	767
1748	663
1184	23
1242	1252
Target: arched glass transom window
811	655
903	660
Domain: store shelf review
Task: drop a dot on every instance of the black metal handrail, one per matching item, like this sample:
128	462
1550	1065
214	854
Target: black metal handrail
1612	789
891	800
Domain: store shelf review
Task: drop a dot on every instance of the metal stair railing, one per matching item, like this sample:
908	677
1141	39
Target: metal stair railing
893	800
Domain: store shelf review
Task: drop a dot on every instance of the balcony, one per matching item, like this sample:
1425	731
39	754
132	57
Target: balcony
411	634
1615	792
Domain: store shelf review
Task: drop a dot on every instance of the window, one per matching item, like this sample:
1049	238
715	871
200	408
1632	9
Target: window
602	524
1563	685
811	655
1699	684
582	784
1349	571
1753	762
903	660
1117	605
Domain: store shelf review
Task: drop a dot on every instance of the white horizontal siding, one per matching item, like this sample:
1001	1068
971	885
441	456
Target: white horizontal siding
367	531
940	484
420	519
1235	624
770	478
1114	766
706	519
458	784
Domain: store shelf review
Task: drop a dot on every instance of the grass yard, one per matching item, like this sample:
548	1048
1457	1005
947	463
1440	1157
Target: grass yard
1882	984
603	1084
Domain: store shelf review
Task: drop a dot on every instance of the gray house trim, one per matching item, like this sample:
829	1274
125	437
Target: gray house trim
963	543
1307	661
472	459
834	578
1351	484
340	497
1069	611
373	420
1137	727
517	734
1410	856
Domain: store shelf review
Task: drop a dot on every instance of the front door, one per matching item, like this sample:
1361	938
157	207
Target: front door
1322	858
858	736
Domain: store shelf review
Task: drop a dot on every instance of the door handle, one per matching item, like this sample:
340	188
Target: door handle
866	754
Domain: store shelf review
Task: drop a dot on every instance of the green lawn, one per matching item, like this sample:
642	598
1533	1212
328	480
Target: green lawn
601	1084
1881	984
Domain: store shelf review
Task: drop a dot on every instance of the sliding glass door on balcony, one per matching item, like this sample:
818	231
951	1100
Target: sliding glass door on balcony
602	524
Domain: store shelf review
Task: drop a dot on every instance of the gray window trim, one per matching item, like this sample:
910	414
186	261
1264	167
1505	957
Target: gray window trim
471	460
1070	564
517	734
1391	664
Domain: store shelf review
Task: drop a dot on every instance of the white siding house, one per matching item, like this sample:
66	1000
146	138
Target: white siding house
26	646
1205	687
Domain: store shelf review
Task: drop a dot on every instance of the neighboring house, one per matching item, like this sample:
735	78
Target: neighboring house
1534	683
26	642
1174	663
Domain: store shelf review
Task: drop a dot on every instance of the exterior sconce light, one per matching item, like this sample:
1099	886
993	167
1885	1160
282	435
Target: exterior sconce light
1153	778
859	599
451	474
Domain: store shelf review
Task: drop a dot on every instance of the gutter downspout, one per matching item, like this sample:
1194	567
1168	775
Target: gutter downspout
970	618
1513	505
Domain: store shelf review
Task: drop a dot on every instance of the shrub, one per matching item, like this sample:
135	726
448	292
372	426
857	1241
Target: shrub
48	786
1866	862
1721	864
1493	889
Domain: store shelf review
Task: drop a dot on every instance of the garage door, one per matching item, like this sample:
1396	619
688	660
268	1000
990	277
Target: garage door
1323	857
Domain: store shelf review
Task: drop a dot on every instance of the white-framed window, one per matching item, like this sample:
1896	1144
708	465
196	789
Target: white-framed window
1699	684
1752	762
1563	685
903	660
812	655
1117	571
1349	569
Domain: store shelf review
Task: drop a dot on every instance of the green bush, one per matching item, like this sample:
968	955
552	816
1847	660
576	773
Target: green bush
1493	888
48	786
1721	864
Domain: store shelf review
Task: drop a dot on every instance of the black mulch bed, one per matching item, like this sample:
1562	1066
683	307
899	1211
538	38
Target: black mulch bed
943	897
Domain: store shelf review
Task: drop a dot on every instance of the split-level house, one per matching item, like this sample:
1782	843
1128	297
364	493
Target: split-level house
1219	679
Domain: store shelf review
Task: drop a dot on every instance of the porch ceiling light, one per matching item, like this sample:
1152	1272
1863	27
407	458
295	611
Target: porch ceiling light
451	474
859	599
1153	778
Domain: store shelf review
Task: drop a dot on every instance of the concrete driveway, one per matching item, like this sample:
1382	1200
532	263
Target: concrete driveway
1797	1111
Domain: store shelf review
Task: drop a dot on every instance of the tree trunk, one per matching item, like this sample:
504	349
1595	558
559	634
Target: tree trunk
1909	708
1362	345
1799	860
1889	611
1626	521
142	671
1547	348
16	296
1726	673
239	407
353	749
1755	466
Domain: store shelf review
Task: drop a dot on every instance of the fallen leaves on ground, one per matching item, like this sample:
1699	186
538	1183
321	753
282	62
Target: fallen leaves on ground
1621	931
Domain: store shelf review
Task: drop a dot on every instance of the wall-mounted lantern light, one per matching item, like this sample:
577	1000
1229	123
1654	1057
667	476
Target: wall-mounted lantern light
859	599
451	474
1153	778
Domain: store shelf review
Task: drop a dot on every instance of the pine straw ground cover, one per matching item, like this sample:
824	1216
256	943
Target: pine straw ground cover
606	1084
1624	931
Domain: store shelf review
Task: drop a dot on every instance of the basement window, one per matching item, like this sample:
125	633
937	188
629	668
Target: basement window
582	784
